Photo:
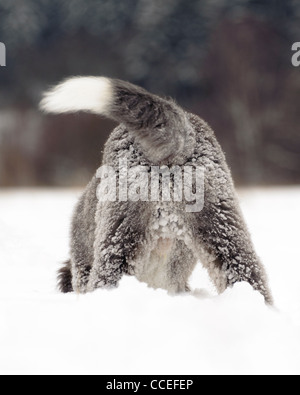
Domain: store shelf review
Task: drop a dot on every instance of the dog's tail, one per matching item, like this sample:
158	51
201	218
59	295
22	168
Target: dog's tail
159	124
65	278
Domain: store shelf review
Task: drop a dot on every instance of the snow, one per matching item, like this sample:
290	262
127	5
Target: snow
135	329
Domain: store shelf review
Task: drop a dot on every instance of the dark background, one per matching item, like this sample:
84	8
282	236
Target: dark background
227	61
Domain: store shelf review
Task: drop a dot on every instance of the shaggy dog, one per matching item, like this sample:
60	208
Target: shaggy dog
159	241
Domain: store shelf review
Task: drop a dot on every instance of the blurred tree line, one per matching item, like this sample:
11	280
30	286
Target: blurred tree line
228	61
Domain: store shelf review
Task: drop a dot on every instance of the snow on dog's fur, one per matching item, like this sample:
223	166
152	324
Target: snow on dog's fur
109	239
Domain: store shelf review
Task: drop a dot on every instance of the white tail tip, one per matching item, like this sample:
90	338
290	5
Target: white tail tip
91	94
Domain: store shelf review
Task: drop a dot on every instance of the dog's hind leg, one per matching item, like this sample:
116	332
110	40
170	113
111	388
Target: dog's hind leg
77	270
120	234
224	236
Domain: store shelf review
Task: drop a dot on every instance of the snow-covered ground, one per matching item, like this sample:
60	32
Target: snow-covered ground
134	329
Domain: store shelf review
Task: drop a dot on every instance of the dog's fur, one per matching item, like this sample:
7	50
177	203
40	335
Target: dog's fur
158	242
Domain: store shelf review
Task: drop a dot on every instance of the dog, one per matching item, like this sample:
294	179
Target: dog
159	242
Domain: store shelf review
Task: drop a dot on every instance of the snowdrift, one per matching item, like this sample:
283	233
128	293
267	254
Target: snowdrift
135	329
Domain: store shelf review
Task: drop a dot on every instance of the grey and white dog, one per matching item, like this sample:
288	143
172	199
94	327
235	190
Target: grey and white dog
158	242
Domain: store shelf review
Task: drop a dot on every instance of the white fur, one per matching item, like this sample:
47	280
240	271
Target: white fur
92	94
155	272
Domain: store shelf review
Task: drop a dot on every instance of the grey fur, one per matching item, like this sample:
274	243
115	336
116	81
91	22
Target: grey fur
110	239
